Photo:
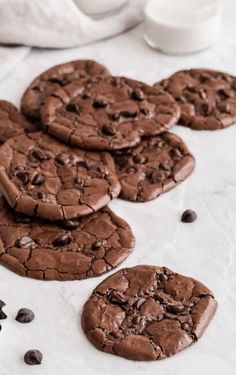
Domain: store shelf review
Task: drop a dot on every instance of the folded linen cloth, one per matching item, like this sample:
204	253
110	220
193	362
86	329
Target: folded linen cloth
59	23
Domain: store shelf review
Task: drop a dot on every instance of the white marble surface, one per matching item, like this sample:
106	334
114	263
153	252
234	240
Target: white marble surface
205	249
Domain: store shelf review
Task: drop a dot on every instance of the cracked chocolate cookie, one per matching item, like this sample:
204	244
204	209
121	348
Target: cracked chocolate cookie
56	77
12	122
108	113
42	177
155	166
66	250
147	313
207	98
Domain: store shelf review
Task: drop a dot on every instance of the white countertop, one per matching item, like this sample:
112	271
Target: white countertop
205	249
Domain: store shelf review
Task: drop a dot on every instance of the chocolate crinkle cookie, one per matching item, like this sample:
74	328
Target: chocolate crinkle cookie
147	313
41	177
108	113
65	250
207	98
58	76
155	166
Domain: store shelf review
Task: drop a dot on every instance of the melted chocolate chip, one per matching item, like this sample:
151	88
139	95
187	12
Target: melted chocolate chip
100	103
108	130
188	216
25	316
138	94
157	176
62	159
33	357
39	155
70	224
139	159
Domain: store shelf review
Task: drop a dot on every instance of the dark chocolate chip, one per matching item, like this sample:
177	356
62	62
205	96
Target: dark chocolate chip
37	180
138	94
78	181
86	95
24	242
115	335
165	167
72	107
128	113
139	159
114	116
136	320
161	277
62	159
188	216
108	130
175	309
117	297
83	163
25	316
100	103
63	240
70	224
41	195
39	155
176	153
22	219
97	245
33	357
131	170
139	302
144	111
23	177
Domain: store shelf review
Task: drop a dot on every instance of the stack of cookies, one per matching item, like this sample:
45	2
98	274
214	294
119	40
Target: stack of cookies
83	138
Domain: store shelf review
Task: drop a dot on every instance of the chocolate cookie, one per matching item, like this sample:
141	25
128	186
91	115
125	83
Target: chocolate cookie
12	122
42	177
207	98
108	113
67	250
147	313
155	166
57	77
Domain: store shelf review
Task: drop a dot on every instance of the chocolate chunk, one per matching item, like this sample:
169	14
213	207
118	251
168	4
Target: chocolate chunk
155	166
201	94
147	331
48	82
52	193
39	154
25	315
66	250
33	357
72	107
188	216
12	122
112	118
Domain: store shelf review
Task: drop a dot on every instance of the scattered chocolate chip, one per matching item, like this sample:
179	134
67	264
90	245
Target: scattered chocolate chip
188	216
108	130
144	111
139	159
114	116
78	181
70	224
41	195
86	95
136	320
139	302
128	113
37	180
25	316
100	103
39	155
62	159
138	94
161	277
97	245
33	357
66	239
83	164
72	107
24	242
175	309
23	177
23	219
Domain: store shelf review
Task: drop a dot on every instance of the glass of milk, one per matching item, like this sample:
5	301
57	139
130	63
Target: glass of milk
100	8
181	26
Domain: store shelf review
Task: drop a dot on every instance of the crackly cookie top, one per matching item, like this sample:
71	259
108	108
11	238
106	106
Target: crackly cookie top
42	177
155	166
56	77
108	113
147	313
66	250
12	122
207	98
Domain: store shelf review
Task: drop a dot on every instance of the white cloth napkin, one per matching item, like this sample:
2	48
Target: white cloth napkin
55	24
